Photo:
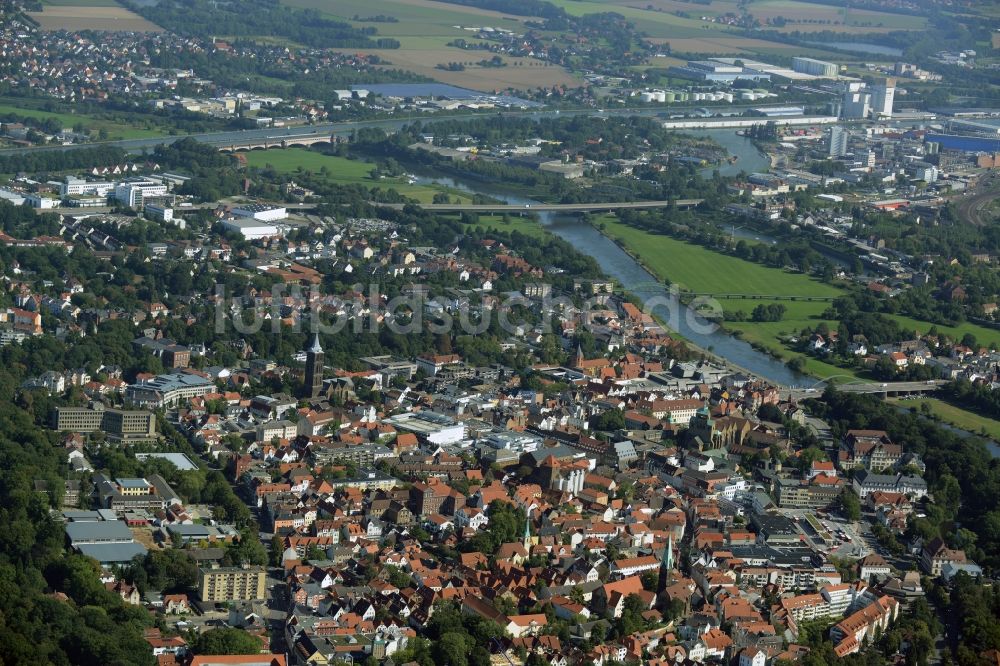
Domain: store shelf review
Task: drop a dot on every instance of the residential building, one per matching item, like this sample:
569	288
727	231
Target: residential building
227	584
935	555
857	630
839	141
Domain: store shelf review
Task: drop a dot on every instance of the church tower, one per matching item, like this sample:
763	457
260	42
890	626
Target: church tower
666	567
313	383
527	532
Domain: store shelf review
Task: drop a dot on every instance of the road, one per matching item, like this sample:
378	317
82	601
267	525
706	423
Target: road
873	387
230	137
104	210
561	208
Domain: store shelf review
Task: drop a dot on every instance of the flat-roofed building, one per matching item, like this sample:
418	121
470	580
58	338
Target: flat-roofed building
109	542
814	67
389	366
429	426
134	487
168	390
232	584
118	424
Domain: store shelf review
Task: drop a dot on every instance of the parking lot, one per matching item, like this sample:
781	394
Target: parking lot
846	539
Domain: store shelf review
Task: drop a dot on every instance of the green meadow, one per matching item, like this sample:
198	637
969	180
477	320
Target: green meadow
344	171
114	129
694	268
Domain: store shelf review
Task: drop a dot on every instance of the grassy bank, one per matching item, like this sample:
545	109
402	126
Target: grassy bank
694	268
956	416
701	270
114	128
344	171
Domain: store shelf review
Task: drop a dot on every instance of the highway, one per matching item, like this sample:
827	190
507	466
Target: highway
345	128
77	211
539	208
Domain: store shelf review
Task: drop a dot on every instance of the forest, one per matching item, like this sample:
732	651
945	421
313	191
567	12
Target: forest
979	397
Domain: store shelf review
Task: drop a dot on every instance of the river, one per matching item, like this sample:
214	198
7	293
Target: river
632	277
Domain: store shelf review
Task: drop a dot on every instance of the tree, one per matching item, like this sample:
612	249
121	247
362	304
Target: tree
226	640
608	420
451	650
850	505
276	551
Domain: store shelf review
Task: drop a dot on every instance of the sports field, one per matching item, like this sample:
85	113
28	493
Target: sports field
343	171
99	16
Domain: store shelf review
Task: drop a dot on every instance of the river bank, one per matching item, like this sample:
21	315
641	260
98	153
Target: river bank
708	353
639	281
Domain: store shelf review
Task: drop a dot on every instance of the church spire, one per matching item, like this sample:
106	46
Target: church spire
313	384
527	531
666	566
315	348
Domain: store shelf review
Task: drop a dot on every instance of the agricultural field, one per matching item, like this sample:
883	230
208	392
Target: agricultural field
701	270
97	16
344	171
424	29
801	16
422	55
654	24
772	336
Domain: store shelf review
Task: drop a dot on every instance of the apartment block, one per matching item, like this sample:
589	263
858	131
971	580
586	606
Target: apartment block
232	584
